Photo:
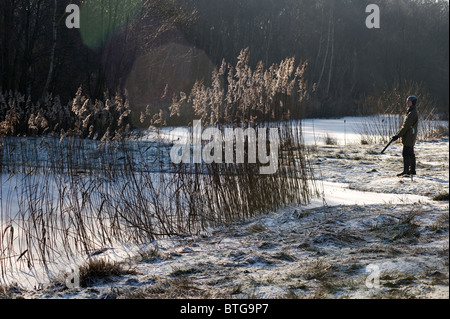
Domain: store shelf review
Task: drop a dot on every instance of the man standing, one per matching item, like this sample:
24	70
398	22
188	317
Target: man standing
408	133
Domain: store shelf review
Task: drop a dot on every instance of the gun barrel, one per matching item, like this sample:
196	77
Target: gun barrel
382	152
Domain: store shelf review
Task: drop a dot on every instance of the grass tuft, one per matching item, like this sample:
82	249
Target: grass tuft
180	272
101	270
441	197
329	140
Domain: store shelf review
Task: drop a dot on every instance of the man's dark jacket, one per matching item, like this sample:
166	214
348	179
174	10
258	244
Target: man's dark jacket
408	131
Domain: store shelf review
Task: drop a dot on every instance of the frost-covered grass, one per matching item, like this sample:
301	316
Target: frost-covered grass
312	253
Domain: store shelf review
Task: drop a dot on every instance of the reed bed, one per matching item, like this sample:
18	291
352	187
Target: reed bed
389	112
69	196
379	129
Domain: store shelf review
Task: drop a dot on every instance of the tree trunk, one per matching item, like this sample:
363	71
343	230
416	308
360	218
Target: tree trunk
52	53
332	53
326	56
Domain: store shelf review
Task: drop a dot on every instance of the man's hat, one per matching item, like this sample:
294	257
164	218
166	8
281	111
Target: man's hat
413	100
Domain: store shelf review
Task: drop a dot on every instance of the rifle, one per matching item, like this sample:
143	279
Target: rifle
392	140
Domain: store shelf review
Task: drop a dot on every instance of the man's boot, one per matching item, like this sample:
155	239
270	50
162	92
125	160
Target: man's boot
406	164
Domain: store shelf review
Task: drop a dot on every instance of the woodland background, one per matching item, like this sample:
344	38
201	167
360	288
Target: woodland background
147	51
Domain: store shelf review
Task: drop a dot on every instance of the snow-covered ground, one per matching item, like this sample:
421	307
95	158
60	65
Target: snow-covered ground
369	224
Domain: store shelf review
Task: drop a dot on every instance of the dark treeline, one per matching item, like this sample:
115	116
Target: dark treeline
347	61
39	54
147	46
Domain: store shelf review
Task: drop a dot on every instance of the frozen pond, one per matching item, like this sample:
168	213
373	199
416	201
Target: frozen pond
343	131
